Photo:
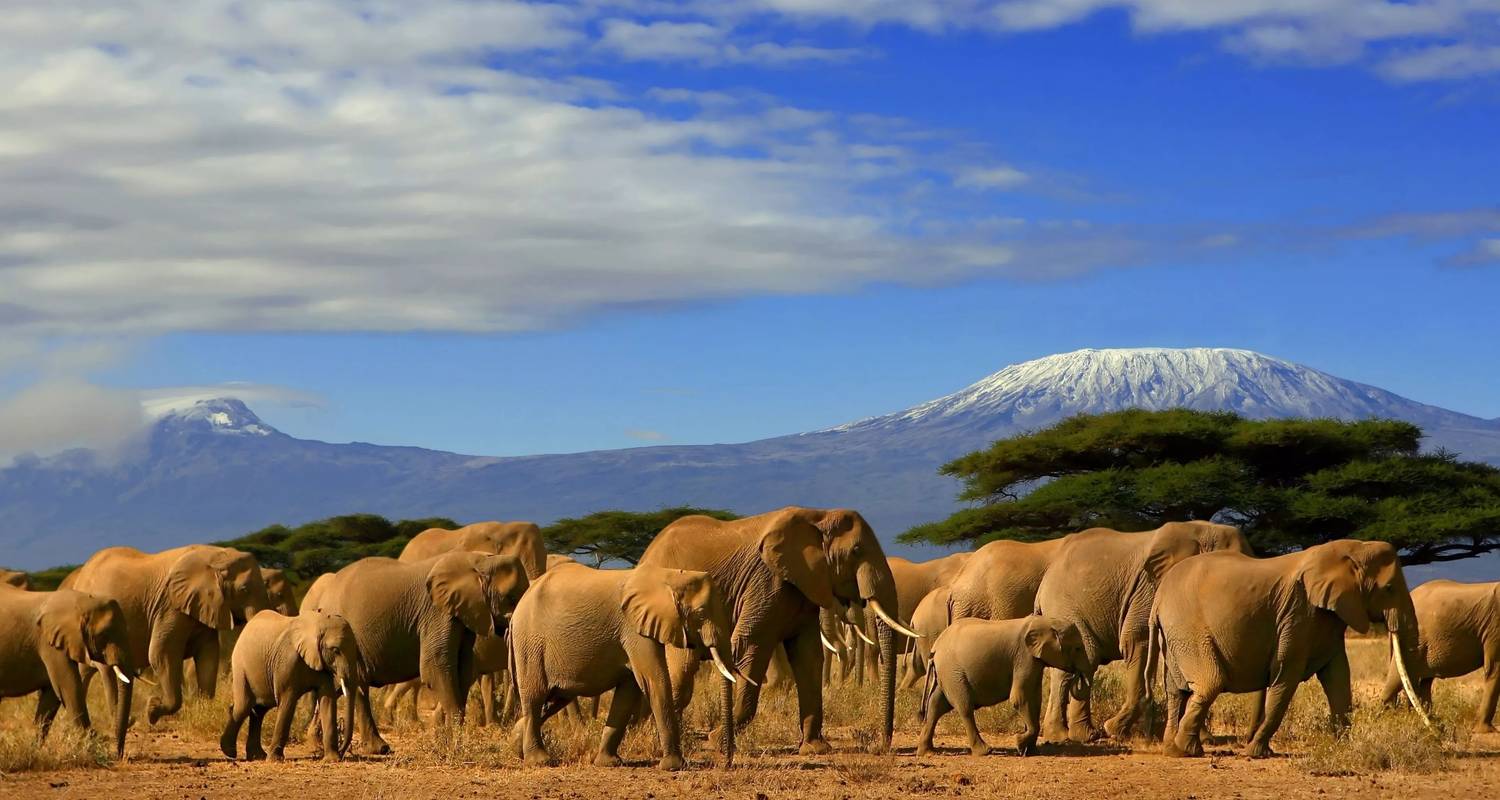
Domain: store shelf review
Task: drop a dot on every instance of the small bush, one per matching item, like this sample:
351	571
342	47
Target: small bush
65	748
1381	739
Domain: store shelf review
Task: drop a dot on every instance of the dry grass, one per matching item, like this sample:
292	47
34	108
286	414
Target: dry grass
65	748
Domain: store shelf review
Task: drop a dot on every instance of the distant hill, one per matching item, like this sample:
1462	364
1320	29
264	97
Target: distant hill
216	470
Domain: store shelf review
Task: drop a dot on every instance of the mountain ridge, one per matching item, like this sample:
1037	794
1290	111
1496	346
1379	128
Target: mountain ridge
215	469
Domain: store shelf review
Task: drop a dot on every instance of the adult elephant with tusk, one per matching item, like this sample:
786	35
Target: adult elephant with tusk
46	638
1226	622
776	570
1459	626
583	632
175	603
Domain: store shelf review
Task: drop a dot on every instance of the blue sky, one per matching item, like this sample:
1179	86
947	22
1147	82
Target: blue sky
513	228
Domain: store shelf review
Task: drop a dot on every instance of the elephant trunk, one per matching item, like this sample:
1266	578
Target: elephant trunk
878	589
347	734
887	639
726	726
122	714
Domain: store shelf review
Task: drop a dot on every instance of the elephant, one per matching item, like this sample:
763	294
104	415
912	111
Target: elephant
278	659
582	632
929	620
48	638
419	620
1458	632
980	662
520	539
10	577
914	581
776	570
1226	622
1000	579
175	603
1102	582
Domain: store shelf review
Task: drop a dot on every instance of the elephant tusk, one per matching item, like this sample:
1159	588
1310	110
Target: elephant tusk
861	634
145	680
746	678
719	662
1411	694
119	673
829	645
891	621
344	687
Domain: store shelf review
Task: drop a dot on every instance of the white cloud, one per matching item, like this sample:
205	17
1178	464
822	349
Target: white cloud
1442	62
705	43
1485	252
55	414
997	177
162	400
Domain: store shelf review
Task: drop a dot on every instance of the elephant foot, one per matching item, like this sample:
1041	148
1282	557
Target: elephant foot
1173	749
255	755
1025	744
1055	733
815	747
1483	727
671	763
154	712
924	748
1085	734
538	758
1258	750
276	755
607	760
1117	729
226	745
980	749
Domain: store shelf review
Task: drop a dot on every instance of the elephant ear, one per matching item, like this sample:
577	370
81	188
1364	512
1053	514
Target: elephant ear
1170	544
1332	581
653	605
305	635
793	549
62	625
196	588
455	585
1038	636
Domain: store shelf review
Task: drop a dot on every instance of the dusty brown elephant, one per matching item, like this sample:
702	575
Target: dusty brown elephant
582	632
419	620
776	570
980	662
175	603
520	539
282	599
278	659
1459	632
929	620
48	638
1226	622
10	577
1102	582
1000	579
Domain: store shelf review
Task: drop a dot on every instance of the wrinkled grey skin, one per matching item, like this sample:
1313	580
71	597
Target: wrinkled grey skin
276	661
48	638
977	663
1226	622
1102	582
1459	632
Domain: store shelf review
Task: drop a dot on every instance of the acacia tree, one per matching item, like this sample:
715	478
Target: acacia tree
606	536
1287	483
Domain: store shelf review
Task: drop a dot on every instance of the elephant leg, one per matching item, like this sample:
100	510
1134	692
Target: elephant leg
621	708
805	653
965	708
1174	701
1390	694
1485	721
1027	702
63	674
532	716
1080	712
47	704
254	751
487	700
206	663
1055	723
756	663
286	708
1278	699
648	663
1122	724
371	742
1338	688
1257	714
1189	739
239	710
169	699
937	706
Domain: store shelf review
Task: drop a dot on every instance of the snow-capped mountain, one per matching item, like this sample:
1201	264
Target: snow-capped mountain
214	470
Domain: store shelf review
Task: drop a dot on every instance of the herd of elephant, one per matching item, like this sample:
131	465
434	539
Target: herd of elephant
1188	602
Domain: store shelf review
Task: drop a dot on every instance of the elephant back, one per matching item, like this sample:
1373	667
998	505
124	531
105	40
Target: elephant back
1000	580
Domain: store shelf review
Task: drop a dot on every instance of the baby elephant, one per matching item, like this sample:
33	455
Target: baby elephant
978	662
581	632
277	660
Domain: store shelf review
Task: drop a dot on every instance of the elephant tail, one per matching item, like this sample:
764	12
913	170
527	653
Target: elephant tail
1156	650
929	689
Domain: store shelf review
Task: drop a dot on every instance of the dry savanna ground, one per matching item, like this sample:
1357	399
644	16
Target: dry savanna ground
1384	754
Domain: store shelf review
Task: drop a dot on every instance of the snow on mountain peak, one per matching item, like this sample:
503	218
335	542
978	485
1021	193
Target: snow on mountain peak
1044	390
225	415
